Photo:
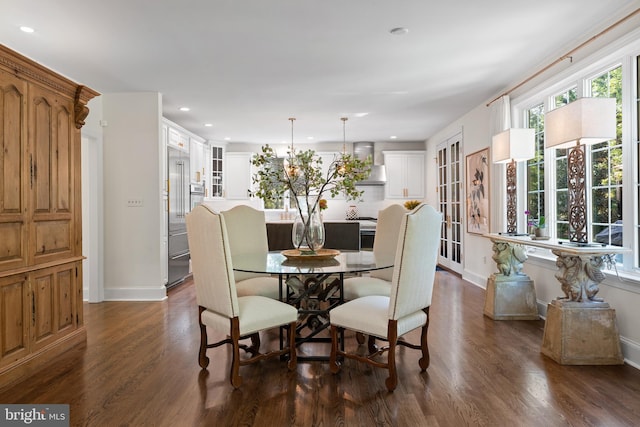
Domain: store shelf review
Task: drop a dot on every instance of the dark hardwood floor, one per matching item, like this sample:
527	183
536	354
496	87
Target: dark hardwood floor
139	368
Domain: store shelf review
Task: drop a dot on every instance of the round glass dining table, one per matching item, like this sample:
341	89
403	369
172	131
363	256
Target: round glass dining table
313	286
277	263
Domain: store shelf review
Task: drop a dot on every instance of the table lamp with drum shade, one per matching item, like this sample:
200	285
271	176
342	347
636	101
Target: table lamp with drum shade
511	146
580	123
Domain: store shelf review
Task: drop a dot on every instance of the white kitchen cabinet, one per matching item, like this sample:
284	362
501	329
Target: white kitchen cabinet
178	139
237	175
198	158
217	168
405	174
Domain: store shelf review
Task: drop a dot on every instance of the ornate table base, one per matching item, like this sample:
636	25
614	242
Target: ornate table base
510	298
578	333
510	293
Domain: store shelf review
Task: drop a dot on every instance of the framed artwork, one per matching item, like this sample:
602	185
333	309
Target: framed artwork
478	192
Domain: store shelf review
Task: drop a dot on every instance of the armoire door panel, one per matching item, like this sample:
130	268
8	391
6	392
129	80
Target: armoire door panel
62	162
54	303
43	292
52	234
13	173
53	239
42	149
15	315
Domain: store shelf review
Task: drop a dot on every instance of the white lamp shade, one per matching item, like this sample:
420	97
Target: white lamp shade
513	144
586	120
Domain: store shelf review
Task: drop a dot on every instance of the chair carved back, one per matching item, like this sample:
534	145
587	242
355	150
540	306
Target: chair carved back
386	241
211	261
415	261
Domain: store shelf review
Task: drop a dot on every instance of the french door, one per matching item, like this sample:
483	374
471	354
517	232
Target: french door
449	160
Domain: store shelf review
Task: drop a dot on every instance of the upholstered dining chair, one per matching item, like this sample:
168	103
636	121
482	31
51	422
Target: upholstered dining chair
247	233
378	282
220	308
407	307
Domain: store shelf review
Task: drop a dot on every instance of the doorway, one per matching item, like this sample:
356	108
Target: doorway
449	160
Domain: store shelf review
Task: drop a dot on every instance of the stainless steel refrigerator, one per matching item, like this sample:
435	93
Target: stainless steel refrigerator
178	164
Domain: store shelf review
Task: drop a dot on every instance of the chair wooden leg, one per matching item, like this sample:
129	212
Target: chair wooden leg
424	346
334	366
236	379
203	360
255	344
392	381
293	359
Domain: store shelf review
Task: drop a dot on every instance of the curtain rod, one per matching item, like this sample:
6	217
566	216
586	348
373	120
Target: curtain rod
566	55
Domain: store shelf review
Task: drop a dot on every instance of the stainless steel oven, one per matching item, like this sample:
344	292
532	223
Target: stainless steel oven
367	232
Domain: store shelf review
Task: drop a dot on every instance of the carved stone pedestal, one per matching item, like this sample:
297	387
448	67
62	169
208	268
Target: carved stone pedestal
510	298
581	333
510	292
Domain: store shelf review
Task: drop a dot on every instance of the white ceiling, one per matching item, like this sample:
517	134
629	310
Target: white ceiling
246	66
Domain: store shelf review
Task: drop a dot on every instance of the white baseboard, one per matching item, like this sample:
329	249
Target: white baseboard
479	281
135	294
631	352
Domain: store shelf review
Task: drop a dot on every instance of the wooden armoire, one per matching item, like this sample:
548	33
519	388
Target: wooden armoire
41	114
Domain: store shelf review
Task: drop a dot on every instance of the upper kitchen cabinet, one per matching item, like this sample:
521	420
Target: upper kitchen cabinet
237	175
198	153
178	139
217	168
405	174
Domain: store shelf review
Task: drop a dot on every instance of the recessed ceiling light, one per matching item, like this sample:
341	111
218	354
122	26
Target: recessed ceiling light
393	137
361	114
309	137
208	125
185	108
26	29
226	138
399	31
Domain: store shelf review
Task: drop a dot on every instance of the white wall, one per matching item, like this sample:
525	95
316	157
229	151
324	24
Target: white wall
132	158
92	204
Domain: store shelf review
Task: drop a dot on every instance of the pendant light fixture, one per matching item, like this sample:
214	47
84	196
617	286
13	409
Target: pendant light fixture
342	168
292	168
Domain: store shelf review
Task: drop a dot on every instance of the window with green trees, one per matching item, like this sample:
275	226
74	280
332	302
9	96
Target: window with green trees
535	166
606	167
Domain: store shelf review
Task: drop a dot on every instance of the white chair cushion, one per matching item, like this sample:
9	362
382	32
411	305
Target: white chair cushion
357	287
256	313
265	286
370	315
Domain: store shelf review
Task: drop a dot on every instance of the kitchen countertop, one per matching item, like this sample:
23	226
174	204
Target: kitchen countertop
364	224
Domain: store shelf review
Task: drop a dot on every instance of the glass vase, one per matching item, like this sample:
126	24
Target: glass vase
307	233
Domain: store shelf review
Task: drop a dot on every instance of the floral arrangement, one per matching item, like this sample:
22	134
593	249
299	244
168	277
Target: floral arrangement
411	204
303	177
535	222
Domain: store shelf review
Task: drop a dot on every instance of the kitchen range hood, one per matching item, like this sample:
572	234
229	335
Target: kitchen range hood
363	150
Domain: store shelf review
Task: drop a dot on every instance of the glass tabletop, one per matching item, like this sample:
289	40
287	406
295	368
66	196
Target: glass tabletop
277	263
